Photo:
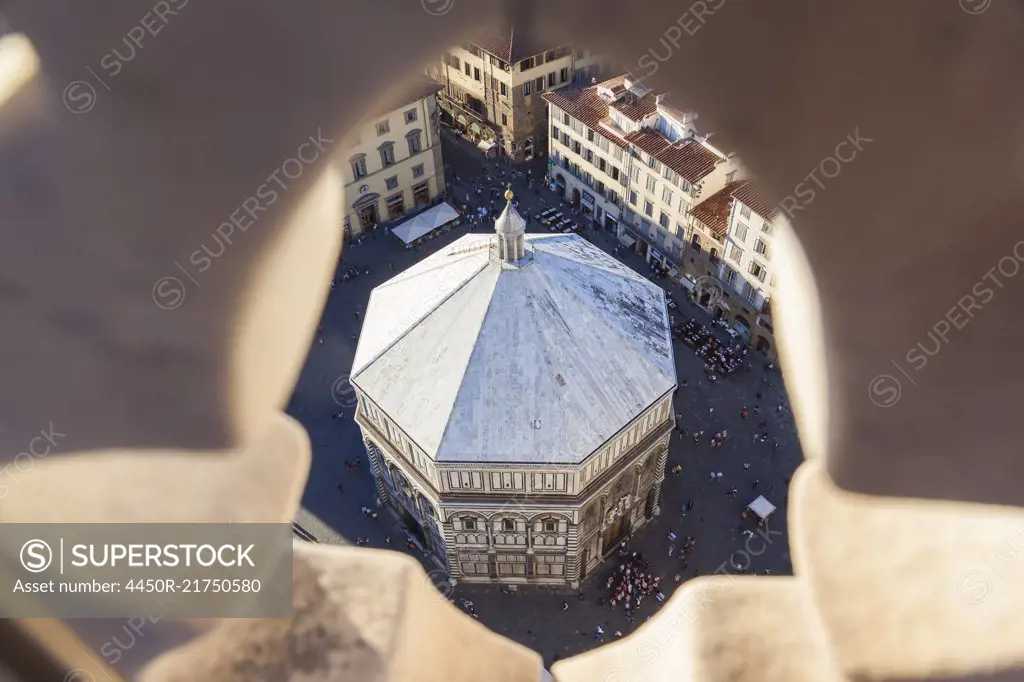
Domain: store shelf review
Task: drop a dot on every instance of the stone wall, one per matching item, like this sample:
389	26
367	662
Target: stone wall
899	518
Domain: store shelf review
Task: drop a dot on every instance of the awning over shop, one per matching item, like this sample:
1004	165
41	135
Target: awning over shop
461	118
685	283
588	199
486	145
627	241
425	223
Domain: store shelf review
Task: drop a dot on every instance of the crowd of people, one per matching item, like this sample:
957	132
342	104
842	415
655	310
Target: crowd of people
631	582
719	358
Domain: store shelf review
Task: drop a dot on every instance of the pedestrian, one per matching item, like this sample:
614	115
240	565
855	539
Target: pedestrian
340	488
565	606
753	486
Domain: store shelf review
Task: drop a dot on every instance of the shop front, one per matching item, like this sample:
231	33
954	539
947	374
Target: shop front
587	204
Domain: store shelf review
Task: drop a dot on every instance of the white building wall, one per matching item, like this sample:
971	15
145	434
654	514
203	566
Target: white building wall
753	270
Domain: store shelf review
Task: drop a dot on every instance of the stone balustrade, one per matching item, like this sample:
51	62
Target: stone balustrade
906	516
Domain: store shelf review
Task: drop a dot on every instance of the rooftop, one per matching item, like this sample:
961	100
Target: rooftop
482	363
691	159
584	104
750	195
714	211
511	45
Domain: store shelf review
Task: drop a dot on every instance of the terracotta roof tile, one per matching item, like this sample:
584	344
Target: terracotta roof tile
750	195
583	103
637	108
692	160
714	211
511	45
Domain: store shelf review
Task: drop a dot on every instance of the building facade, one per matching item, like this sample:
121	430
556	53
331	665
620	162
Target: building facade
392	165
496	434
743	284
636	164
492	88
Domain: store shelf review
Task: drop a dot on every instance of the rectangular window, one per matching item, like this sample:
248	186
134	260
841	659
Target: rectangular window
410	116
730	277
666	196
670	175
453	61
359	167
550	526
468	69
504	120
526	89
686	187
652	184
468	524
649	209
387	156
602	143
564	75
735	253
392	182
383	128
476	74
420	192
538	84
663	220
576	147
551	79
767	227
589	156
590	135
632	197
566	120
757	270
503	89
601	166
417	170
744	212
635	174
761	248
615	172
653	163
749	292
741	232
415	146
554	133
617	153
396	207
565	138
508	525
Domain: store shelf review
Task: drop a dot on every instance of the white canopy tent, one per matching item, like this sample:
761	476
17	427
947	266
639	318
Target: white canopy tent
486	145
425	223
762	507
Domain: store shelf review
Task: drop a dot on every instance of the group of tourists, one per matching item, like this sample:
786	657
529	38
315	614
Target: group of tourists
631	582
719	358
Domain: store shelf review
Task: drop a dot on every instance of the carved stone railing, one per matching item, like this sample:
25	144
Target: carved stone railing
904	519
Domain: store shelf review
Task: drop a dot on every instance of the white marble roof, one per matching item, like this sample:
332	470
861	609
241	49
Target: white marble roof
480	363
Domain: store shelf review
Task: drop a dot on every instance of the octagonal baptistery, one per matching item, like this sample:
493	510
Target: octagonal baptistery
515	400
